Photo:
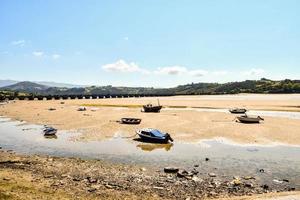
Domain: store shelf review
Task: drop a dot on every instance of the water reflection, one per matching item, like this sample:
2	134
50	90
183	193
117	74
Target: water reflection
152	147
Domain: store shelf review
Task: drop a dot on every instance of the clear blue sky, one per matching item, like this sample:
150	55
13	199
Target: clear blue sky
149	43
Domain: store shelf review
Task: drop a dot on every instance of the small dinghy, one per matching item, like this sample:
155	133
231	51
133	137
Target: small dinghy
49	131
238	110
249	119
154	136
131	121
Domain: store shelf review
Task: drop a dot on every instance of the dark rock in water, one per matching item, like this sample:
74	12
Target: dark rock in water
284	180
261	170
206	159
0	147
196	165
171	169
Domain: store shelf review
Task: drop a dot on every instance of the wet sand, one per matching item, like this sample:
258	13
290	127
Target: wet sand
99	121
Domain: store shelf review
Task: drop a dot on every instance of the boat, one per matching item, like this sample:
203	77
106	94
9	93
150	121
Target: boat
131	121
49	131
249	119
153	136
238	110
81	109
151	108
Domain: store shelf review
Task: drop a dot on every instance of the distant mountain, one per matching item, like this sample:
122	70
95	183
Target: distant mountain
4	83
26	86
248	86
54	84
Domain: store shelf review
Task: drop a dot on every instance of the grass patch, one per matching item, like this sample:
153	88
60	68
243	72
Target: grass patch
177	106
112	105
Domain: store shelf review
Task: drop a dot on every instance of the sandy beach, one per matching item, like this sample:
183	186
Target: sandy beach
178	117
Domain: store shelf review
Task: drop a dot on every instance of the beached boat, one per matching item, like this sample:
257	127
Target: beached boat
238	110
81	109
154	136
249	119
151	108
49	131
131	121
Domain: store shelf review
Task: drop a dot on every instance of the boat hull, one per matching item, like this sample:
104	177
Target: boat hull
238	111
248	120
154	140
152	109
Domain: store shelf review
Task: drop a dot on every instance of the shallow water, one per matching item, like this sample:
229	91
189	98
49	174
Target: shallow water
225	159
284	114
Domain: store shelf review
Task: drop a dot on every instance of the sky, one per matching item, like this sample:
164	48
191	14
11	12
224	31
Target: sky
157	43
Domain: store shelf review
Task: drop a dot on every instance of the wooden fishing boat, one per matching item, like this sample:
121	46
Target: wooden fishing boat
249	119
151	108
238	110
154	136
131	121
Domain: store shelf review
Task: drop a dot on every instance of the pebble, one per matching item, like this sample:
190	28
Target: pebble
92	189
158	188
206	159
261	170
212	174
143	169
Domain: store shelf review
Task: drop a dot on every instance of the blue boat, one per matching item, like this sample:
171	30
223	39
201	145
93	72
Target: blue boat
154	136
49	131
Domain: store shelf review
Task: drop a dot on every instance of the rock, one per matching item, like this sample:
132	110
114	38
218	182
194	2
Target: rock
197	179
265	187
6	179
143	169
236	182
48	176
196	165
285	180
76	179
277	181
52	109
92	189
206	159
185	174
261	170
91	180
212	174
248	178
158	188
0	147
249	185
182	173
171	169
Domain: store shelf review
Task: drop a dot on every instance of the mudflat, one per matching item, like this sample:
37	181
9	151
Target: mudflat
179	117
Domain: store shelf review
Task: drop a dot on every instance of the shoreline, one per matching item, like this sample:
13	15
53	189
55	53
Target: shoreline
95	179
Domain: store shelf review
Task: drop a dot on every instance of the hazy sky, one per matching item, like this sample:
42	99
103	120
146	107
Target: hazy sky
149	43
